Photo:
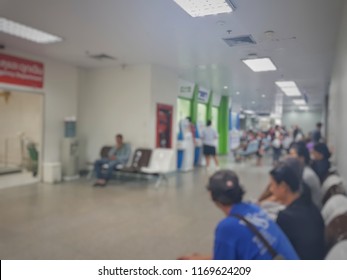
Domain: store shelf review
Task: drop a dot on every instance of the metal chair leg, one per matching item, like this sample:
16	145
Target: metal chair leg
160	178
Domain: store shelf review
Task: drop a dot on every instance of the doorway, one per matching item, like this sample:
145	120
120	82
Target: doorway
21	122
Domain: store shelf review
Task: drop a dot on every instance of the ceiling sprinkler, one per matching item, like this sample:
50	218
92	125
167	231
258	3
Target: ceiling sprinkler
269	34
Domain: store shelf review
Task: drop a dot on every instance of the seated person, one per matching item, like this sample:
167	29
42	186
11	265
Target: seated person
270	204
119	154
312	185
301	220
234	239
320	163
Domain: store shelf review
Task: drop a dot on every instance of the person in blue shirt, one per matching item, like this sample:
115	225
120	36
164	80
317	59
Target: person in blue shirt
119	154
234	240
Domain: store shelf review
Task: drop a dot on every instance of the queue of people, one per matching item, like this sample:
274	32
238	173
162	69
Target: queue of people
248	232
286	222
279	140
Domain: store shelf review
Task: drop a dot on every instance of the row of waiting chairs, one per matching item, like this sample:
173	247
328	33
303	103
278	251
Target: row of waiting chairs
334	213
158	162
252	148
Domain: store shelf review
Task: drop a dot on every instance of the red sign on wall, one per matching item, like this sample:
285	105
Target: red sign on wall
21	72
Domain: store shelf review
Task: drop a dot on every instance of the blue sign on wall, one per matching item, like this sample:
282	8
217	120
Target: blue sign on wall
203	96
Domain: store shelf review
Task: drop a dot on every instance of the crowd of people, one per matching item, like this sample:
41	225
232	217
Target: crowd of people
291	219
280	140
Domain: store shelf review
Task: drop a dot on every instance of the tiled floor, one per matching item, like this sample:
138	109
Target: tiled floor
15	179
131	220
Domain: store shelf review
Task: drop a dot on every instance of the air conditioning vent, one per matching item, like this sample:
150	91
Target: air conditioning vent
101	56
240	41
263	114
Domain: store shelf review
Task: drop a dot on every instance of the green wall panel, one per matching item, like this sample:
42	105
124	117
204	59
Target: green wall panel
223	125
194	105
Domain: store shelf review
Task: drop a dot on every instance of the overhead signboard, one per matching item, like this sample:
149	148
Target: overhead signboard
186	89
22	72
203	96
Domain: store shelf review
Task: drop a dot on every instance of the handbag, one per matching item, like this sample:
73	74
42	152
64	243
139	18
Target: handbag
275	255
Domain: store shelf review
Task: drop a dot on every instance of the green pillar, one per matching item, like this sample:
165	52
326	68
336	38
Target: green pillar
209	107
194	105
223	125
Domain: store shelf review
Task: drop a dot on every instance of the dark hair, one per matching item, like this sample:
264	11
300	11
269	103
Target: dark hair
319	124
323	149
208	123
284	173
302	151
119	136
189	119
225	188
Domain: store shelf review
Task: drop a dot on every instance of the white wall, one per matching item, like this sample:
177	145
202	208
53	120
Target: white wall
337	114
60	100
117	100
111	101
61	92
306	120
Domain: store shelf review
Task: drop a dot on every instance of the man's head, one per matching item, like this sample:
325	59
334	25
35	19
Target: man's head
321	152
225	188
189	119
209	123
285	179
119	140
319	125
300	151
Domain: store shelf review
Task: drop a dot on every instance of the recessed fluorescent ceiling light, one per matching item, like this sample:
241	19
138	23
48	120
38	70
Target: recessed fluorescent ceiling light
26	32
299	102
199	8
289	88
250	112
291	91
288	84
260	64
225	87
303	108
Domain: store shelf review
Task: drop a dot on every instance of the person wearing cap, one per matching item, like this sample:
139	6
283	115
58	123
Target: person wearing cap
301	220
234	238
320	163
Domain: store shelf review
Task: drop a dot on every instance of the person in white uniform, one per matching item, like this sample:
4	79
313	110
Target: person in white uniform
209	137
